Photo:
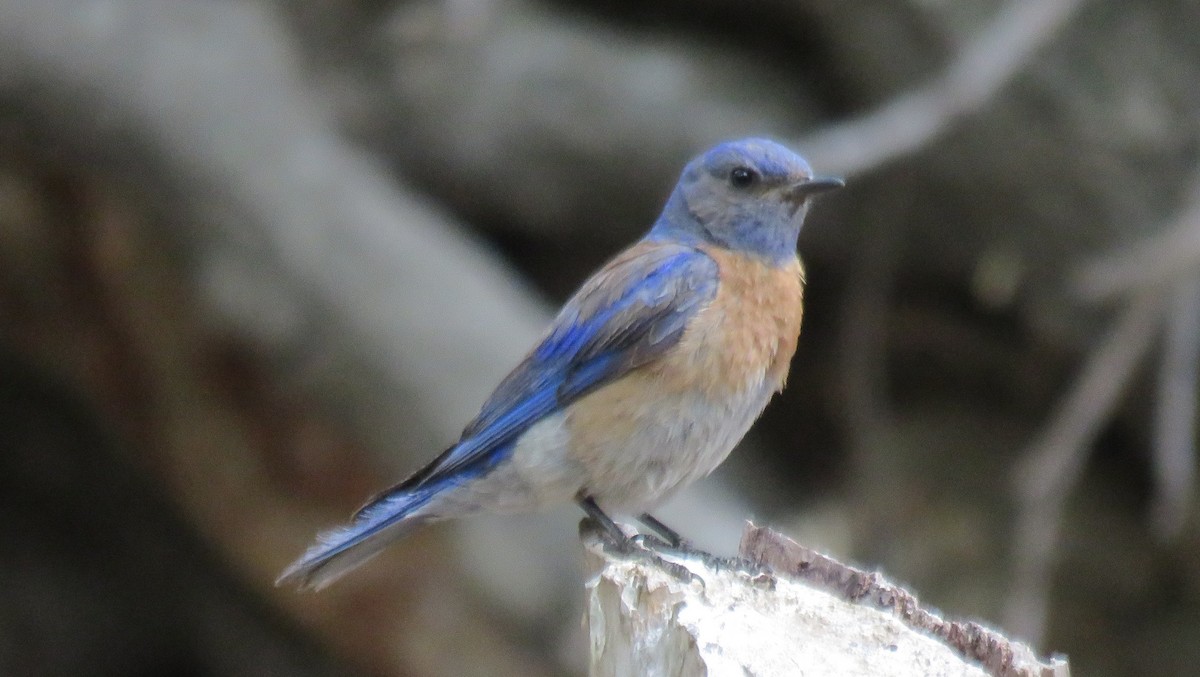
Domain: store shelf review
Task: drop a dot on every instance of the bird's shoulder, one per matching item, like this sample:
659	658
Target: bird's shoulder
652	265
629	311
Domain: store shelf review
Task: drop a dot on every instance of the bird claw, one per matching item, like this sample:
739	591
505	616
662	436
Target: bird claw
653	546
650	542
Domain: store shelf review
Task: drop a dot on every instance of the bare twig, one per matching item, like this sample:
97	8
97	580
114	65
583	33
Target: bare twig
1053	463
1171	256
909	122
1172	252
1175	413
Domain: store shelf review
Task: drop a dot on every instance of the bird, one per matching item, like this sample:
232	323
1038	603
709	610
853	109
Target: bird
644	382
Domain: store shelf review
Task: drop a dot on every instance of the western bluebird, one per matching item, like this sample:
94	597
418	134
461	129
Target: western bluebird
646	380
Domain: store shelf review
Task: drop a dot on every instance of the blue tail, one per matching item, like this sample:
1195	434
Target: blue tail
398	510
337	551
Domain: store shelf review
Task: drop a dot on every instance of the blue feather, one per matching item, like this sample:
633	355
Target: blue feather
373	528
339	550
627	315
745	198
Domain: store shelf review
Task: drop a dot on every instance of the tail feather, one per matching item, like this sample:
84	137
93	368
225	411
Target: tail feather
340	550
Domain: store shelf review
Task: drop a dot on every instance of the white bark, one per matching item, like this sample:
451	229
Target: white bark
781	610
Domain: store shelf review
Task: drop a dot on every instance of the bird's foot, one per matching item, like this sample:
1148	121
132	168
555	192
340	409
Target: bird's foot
609	529
664	534
658	544
646	545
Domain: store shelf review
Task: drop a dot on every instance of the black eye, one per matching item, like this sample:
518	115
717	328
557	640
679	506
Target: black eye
742	177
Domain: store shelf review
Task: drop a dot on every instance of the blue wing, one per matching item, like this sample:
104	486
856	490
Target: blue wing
629	313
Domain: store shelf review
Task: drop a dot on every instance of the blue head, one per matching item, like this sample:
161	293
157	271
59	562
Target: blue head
749	195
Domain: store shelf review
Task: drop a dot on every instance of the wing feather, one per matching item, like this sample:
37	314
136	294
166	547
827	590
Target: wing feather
624	317
629	313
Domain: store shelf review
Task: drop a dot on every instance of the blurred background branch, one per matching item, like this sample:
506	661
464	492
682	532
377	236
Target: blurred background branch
1054	462
911	121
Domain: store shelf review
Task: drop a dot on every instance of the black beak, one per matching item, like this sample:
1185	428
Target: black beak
818	184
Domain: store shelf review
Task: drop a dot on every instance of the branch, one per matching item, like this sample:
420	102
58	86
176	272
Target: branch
1175	411
1172	252
356	293
911	121
1163	263
1052	465
779	610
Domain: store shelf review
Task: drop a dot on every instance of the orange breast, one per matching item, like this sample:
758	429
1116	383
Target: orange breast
747	335
674	420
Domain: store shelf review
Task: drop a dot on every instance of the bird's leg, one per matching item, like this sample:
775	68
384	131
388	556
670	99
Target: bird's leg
669	535
606	523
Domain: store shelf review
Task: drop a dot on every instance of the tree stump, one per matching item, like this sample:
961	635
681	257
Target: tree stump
777	609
